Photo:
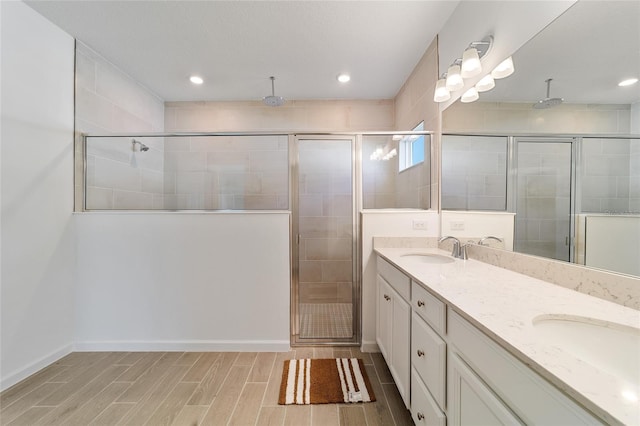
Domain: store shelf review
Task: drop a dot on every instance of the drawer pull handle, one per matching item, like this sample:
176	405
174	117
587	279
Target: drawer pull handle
420	303
420	416
420	352
387	297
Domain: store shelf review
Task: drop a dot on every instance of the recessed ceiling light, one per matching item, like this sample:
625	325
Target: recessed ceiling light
628	82
196	80
343	78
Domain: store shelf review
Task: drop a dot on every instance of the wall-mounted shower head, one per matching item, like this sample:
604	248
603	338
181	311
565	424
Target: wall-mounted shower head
142	147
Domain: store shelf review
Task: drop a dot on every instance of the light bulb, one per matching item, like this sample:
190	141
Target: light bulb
343	78
441	93
485	84
628	82
470	96
470	63
196	80
504	69
454	79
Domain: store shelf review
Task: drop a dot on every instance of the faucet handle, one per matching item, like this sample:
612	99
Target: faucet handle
488	237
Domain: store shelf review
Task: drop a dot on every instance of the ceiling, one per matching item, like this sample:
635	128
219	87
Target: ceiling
587	51
236	45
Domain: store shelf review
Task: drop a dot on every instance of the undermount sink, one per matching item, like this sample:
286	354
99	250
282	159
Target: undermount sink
611	347
435	259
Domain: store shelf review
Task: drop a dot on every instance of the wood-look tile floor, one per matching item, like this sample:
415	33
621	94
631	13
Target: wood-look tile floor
188	388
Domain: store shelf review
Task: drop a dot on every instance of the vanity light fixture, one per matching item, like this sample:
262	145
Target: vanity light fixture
504	69
467	66
196	79
442	93
470	95
485	84
454	79
628	82
343	78
471	65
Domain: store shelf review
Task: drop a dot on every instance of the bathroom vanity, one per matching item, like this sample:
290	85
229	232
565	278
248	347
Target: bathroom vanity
471	343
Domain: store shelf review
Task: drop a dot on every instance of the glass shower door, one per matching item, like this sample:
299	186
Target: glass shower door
324	226
543	198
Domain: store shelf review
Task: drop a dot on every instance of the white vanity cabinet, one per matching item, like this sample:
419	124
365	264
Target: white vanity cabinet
450	373
393	321
487	382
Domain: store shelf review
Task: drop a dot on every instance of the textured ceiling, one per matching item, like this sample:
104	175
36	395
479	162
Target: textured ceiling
236	45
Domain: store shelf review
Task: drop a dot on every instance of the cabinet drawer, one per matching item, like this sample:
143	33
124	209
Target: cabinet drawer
424	409
429	307
399	281
428	357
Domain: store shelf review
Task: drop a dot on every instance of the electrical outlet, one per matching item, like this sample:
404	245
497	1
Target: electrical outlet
456	225
420	224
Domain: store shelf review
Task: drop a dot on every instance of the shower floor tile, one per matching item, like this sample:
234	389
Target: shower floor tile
326	320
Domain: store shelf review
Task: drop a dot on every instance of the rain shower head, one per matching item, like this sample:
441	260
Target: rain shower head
273	100
142	148
548	102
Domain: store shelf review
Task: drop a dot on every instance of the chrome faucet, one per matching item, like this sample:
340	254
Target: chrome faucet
459	251
489	237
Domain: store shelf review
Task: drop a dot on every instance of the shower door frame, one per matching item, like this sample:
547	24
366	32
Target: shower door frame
512	179
356	191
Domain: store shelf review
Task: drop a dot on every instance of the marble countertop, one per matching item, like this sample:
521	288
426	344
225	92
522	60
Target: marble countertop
503	304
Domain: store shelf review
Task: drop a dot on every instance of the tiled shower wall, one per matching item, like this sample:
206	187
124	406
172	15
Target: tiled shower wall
543	201
378	176
610	175
634	177
325	222
226	172
474	173
108	101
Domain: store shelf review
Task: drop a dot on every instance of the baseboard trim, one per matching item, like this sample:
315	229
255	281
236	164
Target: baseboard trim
34	367
184	345
369	346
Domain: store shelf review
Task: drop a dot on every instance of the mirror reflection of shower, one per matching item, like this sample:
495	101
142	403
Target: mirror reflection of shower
136	146
141	147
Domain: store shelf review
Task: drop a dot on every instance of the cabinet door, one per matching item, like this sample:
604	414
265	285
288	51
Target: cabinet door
471	402
400	345
383	318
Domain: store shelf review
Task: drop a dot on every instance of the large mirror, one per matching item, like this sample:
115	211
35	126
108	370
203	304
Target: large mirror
551	155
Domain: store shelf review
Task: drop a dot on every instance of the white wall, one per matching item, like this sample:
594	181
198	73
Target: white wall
613	243
385	223
182	281
466	225
37	193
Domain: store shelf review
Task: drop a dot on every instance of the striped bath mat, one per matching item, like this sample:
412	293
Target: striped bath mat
324	381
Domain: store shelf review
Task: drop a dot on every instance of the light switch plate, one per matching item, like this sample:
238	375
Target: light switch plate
419	224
